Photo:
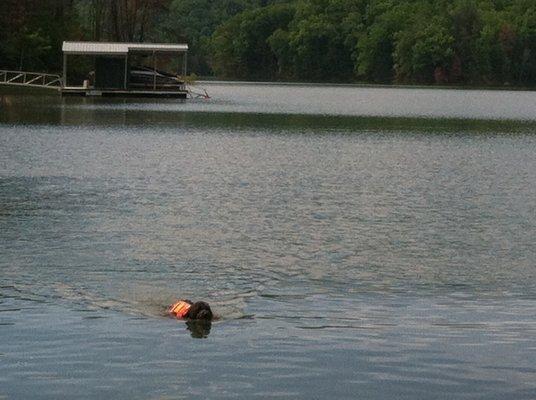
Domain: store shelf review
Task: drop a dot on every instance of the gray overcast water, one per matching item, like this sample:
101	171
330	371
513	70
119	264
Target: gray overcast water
355	243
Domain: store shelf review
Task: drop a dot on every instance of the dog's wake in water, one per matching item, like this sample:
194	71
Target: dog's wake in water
146	302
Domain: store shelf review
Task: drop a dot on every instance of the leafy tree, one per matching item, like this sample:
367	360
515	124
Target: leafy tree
320	40
467	24
376	45
241	46
424	53
29	40
194	22
524	15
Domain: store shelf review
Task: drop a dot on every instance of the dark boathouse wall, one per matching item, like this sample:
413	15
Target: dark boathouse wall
109	72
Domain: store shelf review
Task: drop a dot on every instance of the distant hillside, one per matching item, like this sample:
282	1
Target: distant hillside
473	42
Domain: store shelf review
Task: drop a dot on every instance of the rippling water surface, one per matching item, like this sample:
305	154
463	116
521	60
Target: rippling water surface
355	243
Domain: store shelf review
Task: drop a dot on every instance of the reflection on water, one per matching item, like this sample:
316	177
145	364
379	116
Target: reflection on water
199	329
372	254
295	107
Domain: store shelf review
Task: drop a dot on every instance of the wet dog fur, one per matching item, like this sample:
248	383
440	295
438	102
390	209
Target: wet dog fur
200	311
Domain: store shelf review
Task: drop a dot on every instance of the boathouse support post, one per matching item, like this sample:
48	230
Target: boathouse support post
64	70
184	64
154	70
126	72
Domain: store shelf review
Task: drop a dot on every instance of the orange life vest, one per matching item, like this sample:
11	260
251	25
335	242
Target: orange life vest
179	309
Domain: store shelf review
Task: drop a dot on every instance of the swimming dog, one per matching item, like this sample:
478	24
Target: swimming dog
186	309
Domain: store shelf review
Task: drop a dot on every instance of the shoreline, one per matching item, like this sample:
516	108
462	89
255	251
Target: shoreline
208	81
220	82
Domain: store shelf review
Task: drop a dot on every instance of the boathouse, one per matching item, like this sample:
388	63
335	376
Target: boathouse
114	73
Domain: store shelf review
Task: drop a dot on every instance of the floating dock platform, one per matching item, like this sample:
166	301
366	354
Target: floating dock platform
88	92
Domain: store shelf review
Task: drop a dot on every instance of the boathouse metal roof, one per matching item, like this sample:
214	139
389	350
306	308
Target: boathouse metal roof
111	48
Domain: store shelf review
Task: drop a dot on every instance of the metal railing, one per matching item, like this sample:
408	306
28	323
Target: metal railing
33	79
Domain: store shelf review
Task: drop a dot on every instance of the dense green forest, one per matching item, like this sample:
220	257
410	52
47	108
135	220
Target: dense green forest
473	42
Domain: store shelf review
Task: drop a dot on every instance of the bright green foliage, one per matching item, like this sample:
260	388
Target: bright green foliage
194	21
386	19
424	53
319	43
241	46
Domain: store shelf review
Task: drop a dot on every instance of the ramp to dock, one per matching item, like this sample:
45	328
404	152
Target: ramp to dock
30	79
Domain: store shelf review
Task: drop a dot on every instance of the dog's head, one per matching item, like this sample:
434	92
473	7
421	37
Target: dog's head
200	310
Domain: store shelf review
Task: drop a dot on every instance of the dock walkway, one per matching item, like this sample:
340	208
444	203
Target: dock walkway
30	79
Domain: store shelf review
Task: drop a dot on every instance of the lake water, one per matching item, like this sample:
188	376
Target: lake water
366	243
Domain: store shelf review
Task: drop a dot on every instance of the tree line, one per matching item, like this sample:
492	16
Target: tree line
451	42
